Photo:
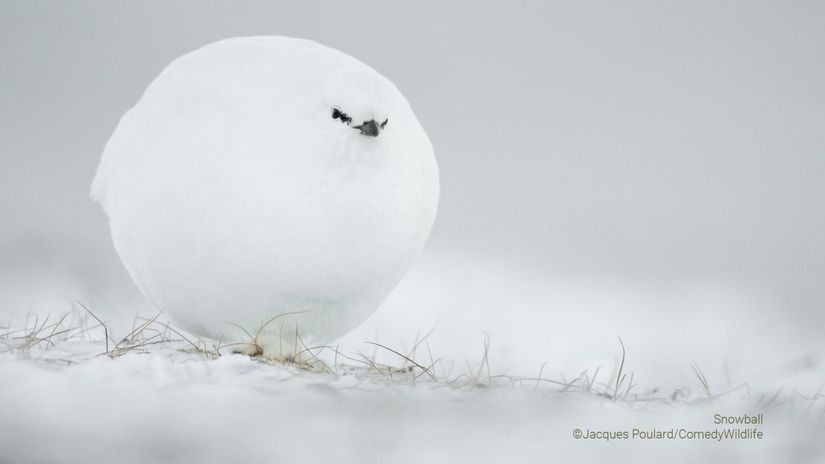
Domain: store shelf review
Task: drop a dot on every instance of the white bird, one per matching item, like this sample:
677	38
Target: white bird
268	177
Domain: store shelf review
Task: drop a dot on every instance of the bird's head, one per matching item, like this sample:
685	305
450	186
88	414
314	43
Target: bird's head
360	102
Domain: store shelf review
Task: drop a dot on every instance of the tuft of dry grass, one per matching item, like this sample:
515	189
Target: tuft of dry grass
326	360
35	334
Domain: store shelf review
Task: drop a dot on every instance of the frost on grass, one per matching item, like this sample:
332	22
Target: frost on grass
73	391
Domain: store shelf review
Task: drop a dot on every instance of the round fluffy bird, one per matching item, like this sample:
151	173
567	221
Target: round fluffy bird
269	183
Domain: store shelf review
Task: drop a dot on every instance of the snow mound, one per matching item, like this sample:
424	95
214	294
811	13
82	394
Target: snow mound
66	395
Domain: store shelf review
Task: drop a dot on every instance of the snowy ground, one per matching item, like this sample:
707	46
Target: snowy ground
551	367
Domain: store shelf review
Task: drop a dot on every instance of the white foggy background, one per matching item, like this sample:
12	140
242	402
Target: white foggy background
652	170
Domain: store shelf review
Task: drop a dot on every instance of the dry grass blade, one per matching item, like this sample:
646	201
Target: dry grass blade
620	376
135	339
263	326
814	398
257	350
314	360
411	361
485	360
702	379
105	328
199	347
539	377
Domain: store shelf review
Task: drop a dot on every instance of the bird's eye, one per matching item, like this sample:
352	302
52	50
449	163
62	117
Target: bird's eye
338	114
385	123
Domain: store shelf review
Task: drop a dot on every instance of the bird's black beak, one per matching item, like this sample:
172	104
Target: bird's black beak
370	128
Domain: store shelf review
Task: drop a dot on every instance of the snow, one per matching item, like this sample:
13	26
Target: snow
165	402
162	407
172	407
